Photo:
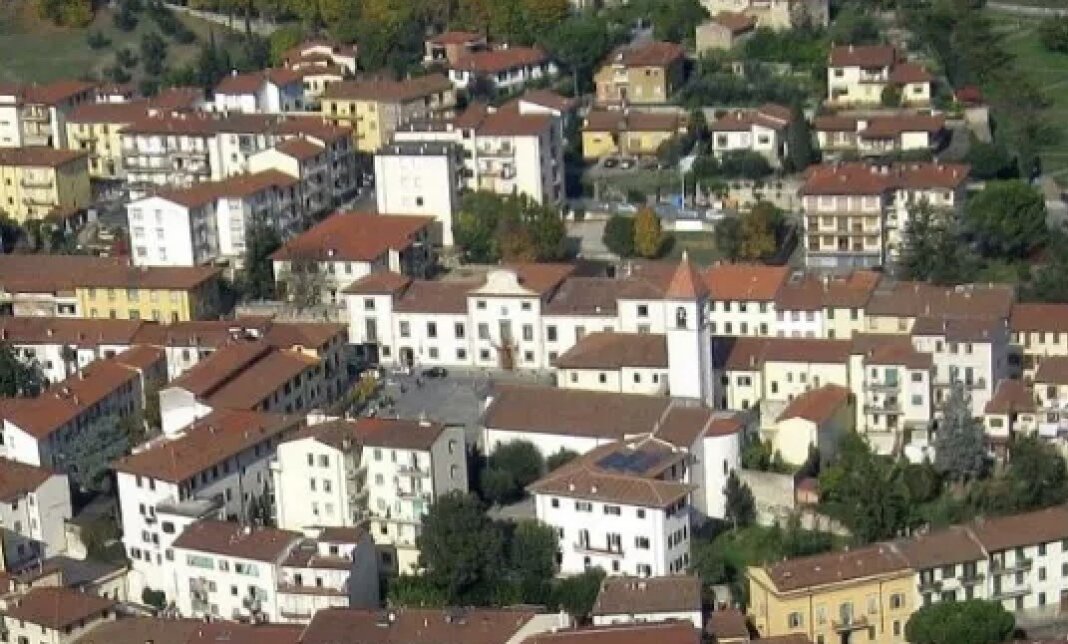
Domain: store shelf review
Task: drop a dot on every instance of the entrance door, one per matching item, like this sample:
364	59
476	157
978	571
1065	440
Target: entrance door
407	357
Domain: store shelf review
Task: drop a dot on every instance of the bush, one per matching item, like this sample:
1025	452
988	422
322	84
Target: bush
126	58
97	40
154	598
619	235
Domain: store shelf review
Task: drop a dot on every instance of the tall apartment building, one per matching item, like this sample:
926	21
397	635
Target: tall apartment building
34	508
375	109
421	178
856	214
36	182
383	472
36	115
95	128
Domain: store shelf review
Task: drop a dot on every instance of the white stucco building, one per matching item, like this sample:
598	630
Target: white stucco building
420	178
34	509
270	91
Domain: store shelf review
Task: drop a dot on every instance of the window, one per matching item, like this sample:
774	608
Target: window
897	601
550	333
431	329
583	506
528	333
405	329
641	543
480	305
525	306
643	310
794	620
459	331
555	503
641	513
483	331
613	510
368	304
602	378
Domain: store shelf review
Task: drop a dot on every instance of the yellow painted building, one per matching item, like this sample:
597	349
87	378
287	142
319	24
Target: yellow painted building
849	597
95	129
616	133
646	73
37	181
375	109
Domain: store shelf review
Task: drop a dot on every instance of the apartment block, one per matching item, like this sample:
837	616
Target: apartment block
375	109
36	115
212	468
421	178
1038	331
34	508
894	384
622	508
824	306
340	250
856	214
258	375
648	72
633	600
432	625
776	14
56	615
858	75
37	182
167	151
382	472
743	299
95	128
878	135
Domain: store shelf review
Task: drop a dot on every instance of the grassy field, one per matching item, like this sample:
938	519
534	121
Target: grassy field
1050	71
700	246
37	51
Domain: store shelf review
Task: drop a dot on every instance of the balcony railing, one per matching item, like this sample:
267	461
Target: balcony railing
598	550
930	585
852	623
998	566
1009	593
972	578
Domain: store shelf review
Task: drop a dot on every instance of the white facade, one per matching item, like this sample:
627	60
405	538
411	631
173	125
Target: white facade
33	518
270	97
420	179
650	381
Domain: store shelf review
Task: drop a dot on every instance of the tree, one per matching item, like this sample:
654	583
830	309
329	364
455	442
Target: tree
758	232
87	458
801	151
975	621
891	96
1047	281
865	491
959	450
97	40
461	549
509	470
618	235
990	161
559	459
303	283
1053	34
744	164
648	236
1008	219
1035	478
18	379
492	227
258	282
932	248
728	235
532	560
741	507
577	594
282	40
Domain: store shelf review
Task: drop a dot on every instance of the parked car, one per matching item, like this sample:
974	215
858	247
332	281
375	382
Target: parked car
610	162
435	372
627	164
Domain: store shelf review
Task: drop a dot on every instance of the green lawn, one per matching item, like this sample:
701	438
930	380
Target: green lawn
38	52
1050	71
700	246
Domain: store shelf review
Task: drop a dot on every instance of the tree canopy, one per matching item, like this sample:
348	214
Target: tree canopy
511	228
618	235
17	378
1007	219
974	621
865	491
648	235
960	452
741	507
461	549
509	470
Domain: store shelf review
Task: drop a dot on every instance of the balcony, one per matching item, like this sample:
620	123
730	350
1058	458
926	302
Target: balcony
883	385
36	182
851	623
37	116
500	150
598	550
999	567
884	407
972	578
413	495
1010	593
930	585
409	469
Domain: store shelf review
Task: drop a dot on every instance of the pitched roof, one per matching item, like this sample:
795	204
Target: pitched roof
250	82
591	477
69	331
686	282
40	156
674	632
941	547
904	72
139	630
835	567
354	237
976	329
209	441
890	349
727	624
386	91
56	608
648	54
510	123
54	92
814	292
918	299
745	282
572	412
391	433
817	405
633	595
615	351
494	61
747	353
1010	397
379	282
115	113
604	120
415	626
235	540
1041	526
736	22
18	479
862	56
546	98
1053	370
1039	317
456	38
771	116
300	148
885	127
51	273
859	178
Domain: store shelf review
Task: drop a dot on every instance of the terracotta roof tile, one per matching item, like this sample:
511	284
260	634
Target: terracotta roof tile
387	91
415	626
494	61
457	38
235	540
117	113
549	410
375	432
736	22
678	632
300	148
1041	526
40	157
891	350
70	331
814	292
865	179
948	546
1052	370
616	351
604	120
651	54
686	283
972	329
57	608
869	56
747	354
508	123
633	595
1039	317
380	282
917	299
18	479
139	630
835	567
354	237
56	92
904	73
745	282
817	405
50	273
885	127
250	83
1011	397
727	624
547	98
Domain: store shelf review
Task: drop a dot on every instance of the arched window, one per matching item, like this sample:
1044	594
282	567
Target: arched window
680	317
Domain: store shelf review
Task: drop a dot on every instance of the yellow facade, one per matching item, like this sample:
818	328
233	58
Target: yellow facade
34	191
600	144
639	83
868	609
597	145
162	305
103	143
373	120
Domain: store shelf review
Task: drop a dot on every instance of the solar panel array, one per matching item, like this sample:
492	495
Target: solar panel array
630	462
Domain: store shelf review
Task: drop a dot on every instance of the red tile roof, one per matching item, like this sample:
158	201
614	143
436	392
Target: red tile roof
235	540
616	351
509	123
380	282
815	292
57	608
904	73
686	283
51	273
495	61
894	126
864	179
117	113
250	83
300	148
817	405
1052	370
748	354
55	92
354	237
869	56
835	567
41	157
604	120
635	595
376	432
415	626
677	632
745	282
81	332
1011	397
19	479
456	38
387	91
736	22
651	54
1052	318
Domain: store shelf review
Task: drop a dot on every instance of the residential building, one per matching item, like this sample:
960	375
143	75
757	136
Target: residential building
227	570
316	78
326	259
430	626
55	615
421	178
36	115
208	223
878	135
555	419
894	387
1038	331
260	375
776	14
1012	411
34	509
309	162
625	363
824	306
167	150
648	72
37	182
544	101
628	132
382	472
772	372
56	429
724	31
630	600
762	130
867	593
504	69
968	353
95	128
61	346
666	633
742	298
504	151
322	53
1050	391
375	109
269	91
815	420
623	508
856	214
213	468
137	630
860	75
449	47
896	307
